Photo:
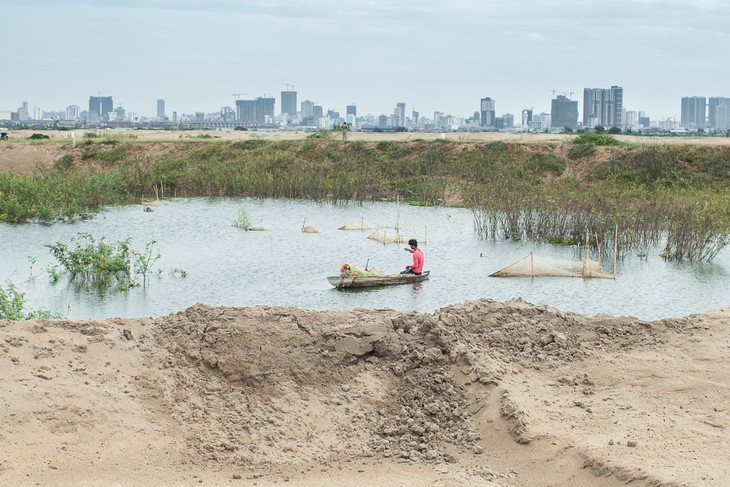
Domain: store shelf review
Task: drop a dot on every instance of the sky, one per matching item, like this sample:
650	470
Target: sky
432	55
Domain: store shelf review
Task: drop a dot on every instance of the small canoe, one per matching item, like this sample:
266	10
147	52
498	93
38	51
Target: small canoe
373	281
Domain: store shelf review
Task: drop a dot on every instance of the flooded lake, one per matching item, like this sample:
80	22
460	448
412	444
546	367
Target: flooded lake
227	266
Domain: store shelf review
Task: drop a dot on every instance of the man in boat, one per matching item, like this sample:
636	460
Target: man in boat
417	266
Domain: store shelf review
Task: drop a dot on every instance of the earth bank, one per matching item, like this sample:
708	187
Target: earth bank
481	393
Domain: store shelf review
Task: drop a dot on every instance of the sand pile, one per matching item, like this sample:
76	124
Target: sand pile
482	393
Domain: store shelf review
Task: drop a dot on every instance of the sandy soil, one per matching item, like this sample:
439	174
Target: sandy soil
482	393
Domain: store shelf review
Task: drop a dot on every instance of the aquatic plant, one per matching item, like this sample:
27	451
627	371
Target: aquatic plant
242	219
12	306
99	263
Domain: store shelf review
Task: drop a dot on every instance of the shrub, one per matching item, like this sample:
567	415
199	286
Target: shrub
578	151
596	138
545	162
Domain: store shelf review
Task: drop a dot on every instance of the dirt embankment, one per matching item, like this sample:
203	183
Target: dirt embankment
20	155
483	393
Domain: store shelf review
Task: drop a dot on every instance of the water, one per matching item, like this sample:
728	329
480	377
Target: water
227	266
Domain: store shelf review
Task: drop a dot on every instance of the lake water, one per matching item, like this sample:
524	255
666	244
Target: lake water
227	266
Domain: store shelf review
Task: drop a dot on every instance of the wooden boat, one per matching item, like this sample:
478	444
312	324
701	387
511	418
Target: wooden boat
377	280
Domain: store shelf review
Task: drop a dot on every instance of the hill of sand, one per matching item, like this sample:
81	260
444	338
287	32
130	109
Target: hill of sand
482	393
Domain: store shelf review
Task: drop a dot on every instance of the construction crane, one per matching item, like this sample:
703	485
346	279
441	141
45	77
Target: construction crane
238	95
289	87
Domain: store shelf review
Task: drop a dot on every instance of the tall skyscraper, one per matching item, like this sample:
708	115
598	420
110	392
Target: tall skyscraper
317	112
352	110
603	106
307	109
564	113
265	109
160	110
487	113
526	117
72	112
399	115
23	114
100	107
693	112
717	108
255	112
289	103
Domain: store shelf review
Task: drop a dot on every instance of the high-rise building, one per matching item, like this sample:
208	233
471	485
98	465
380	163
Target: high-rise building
100	107
631	119
508	120
487	112
255	112
23	114
693	112
526	117
265	110
289	103
160	110
72	112
246	111
717	106
317	112
603	106
399	115
564	113
722	116
307	109
352	110
438	119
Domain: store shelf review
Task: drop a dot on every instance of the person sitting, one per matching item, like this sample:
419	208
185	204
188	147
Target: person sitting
418	258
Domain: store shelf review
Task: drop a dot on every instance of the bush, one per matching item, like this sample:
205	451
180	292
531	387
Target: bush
12	304
545	162
596	138
578	151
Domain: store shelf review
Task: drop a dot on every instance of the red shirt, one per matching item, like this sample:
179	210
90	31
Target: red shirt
417	266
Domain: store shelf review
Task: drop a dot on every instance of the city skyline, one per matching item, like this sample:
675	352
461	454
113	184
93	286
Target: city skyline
432	56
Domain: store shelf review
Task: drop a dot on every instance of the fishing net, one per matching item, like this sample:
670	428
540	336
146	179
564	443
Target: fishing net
349	270
534	266
388	236
360	224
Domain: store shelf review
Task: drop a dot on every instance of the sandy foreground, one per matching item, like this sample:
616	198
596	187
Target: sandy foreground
482	393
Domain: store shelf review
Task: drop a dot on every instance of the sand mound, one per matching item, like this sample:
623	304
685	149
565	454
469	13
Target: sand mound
482	393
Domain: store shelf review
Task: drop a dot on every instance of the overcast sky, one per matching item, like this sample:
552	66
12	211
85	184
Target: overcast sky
434	55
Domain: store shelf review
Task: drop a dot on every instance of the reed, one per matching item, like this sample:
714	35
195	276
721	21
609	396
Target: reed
666	195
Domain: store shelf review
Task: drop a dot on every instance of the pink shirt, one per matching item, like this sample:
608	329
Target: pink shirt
417	266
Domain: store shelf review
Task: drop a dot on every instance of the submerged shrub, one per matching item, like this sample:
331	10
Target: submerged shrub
12	306
92	262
